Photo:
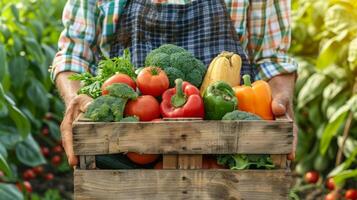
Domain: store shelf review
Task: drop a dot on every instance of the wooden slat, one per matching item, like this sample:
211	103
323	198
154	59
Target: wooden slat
188	137
87	162
169	161
280	161
181	184
189	161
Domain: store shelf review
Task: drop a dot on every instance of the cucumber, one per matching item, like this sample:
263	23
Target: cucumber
115	161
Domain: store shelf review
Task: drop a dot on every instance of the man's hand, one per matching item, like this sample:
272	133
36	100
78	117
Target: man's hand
282	87
74	108
75	104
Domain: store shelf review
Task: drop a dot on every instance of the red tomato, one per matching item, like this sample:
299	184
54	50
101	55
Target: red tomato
57	149
45	151
209	163
158	165
351	194
152	81
142	159
330	184
56	160
311	177
28	174
38	170
332	196
45	131
145	107
49	176
118	78
24	186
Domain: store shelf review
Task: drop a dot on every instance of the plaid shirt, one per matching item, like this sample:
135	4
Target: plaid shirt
263	27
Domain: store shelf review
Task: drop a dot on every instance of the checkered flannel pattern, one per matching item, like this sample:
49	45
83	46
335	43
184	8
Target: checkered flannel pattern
263	27
202	27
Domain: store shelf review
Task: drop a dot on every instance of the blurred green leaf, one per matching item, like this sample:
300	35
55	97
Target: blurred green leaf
54	129
3	109
34	49
28	152
345	165
18	71
3	150
328	53
37	95
339	18
350	145
22	124
352	54
3	62
10	191
4	166
313	88
331	130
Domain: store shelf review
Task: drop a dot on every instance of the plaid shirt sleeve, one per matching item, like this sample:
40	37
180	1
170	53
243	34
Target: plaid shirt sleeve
77	43
269	36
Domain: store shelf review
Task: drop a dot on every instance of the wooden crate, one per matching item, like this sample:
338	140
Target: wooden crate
182	143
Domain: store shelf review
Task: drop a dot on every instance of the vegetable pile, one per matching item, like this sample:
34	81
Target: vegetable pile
167	87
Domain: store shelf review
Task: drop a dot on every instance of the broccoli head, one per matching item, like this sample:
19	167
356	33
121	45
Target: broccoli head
177	63
101	109
240	115
122	90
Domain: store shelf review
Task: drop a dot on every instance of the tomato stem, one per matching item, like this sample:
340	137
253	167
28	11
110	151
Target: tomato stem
155	71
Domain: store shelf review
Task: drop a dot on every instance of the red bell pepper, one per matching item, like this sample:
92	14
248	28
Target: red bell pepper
184	101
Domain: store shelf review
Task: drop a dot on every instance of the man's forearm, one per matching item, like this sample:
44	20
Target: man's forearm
68	89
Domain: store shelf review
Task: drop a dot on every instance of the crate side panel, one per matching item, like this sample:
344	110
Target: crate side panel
181	184
203	137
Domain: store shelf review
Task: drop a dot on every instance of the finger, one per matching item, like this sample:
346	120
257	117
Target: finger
84	102
67	137
280	105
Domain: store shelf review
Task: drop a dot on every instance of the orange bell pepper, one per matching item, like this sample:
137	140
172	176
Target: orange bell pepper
255	98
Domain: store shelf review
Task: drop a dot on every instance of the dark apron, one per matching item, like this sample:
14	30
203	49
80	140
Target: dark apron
203	27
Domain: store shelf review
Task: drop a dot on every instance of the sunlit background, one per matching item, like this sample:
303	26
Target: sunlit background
324	42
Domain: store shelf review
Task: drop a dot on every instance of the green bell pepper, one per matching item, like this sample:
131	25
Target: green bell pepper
219	99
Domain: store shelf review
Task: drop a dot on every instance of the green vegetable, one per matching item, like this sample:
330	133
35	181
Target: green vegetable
106	68
122	90
111	107
219	99
240	161
177	63
106	109
130	119
240	115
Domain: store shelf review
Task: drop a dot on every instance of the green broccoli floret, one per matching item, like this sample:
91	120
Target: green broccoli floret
195	77
173	74
183	61
240	115
101	109
170	49
177	63
122	90
161	60
130	119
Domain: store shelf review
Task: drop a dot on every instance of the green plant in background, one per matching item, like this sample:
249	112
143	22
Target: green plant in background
29	109
325	45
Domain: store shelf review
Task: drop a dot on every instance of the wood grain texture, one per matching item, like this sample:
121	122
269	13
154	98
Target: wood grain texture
169	161
183	137
181	184
189	161
87	162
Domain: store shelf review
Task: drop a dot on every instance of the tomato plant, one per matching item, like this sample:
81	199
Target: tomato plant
145	107
30	109
324	42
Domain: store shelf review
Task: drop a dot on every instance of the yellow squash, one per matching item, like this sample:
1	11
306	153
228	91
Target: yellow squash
225	67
